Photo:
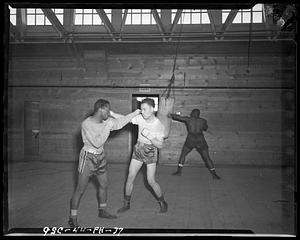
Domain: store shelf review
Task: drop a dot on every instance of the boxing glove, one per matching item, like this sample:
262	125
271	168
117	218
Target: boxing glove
146	133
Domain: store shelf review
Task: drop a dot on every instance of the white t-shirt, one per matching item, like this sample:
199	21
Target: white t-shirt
155	127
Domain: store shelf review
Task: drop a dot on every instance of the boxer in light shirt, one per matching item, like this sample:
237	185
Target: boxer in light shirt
150	138
95	131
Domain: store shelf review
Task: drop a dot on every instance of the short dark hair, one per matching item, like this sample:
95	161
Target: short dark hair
101	103
149	101
195	113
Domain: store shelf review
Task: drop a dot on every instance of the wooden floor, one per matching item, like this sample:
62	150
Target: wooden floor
253	198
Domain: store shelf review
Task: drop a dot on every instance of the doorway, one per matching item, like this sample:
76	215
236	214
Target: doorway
136	104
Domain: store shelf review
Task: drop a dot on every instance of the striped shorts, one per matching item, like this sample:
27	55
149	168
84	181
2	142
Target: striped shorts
91	163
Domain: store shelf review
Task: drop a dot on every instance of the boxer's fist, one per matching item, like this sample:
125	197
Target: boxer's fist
146	133
137	112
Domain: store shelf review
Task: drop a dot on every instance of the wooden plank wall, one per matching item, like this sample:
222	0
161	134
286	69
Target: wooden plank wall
250	114
62	111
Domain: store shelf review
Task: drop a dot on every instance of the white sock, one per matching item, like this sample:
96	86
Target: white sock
102	206
74	212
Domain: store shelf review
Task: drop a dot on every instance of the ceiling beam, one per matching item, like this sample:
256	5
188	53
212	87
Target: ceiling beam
159	23
68	19
55	22
123	22
109	27
212	23
228	21
175	22
21	23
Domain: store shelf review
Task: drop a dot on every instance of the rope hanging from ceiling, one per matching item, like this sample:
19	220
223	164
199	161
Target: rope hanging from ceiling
166	101
249	42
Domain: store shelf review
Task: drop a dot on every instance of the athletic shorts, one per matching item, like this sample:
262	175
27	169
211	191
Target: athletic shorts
195	141
146	153
92	163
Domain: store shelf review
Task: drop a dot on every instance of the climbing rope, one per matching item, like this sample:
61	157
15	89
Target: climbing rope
166	103
250	35
172	80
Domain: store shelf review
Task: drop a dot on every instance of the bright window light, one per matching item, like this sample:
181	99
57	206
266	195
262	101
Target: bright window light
35	16
59	13
13	15
192	16
140	17
90	16
244	15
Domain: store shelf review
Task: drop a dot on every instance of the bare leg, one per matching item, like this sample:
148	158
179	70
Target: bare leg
83	179
103	185
208	162
134	168
184	152
102	196
151	169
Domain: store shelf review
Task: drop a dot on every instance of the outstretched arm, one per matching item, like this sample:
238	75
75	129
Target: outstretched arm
120	122
177	117
115	115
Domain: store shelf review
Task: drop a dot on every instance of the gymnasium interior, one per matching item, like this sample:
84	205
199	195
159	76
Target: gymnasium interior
235	62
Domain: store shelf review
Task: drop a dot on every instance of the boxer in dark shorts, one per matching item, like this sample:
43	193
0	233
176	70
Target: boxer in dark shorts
195	139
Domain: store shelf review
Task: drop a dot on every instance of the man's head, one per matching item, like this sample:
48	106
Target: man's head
102	108
195	113
147	107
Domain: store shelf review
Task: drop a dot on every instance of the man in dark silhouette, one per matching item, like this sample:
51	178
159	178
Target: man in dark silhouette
195	139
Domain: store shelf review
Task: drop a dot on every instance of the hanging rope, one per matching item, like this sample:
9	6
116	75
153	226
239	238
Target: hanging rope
172	81
250	34
166	103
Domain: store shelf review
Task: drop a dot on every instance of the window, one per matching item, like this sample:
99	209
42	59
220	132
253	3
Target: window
35	16
244	15
89	17
192	16
59	12
13	15
140	16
